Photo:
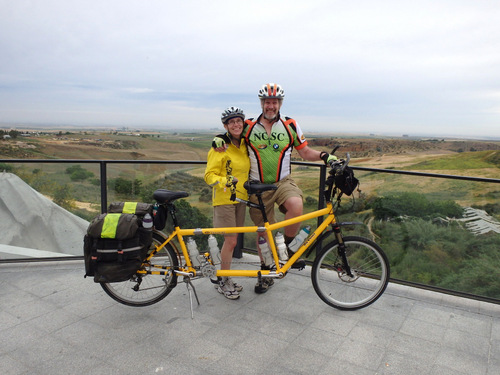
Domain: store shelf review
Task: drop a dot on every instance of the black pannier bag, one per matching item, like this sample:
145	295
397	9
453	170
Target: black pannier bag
137	208
114	247
346	181
115	226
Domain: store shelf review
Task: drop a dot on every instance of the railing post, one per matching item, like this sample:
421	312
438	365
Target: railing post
322	182
104	190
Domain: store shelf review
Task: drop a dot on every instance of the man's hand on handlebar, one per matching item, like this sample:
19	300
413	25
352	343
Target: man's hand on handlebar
339	165
329	159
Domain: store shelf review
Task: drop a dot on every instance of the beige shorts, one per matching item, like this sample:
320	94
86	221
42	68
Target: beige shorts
229	215
287	188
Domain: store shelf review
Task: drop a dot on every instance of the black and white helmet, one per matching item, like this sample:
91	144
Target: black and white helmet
271	91
230	113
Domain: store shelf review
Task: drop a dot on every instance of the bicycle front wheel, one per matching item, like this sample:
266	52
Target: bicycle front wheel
363	285
144	290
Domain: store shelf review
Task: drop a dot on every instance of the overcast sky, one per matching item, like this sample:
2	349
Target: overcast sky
388	66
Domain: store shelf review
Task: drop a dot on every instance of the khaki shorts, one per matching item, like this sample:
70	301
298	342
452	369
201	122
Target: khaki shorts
287	188
229	215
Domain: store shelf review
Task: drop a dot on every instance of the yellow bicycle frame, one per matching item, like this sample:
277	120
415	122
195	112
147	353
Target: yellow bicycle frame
267	228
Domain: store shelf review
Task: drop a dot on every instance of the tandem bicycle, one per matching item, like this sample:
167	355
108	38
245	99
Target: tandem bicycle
348	273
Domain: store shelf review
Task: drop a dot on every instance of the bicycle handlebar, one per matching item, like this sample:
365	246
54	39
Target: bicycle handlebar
338	166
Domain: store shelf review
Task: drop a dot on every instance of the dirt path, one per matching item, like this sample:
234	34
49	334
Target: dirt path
369	225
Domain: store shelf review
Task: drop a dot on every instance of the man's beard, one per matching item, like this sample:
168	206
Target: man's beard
273	118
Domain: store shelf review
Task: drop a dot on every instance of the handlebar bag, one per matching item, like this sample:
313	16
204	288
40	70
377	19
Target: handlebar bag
346	181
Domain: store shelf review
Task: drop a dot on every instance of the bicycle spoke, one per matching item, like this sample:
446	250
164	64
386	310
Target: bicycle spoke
369	268
144	289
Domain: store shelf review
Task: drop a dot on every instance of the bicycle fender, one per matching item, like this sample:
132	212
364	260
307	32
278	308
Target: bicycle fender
350	223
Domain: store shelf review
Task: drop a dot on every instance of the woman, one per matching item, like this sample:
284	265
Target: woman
223	170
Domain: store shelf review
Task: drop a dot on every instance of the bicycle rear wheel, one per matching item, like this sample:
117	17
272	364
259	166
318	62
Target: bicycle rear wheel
369	274
144	290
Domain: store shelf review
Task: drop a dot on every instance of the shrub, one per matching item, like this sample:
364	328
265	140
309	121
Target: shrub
77	173
413	204
6	167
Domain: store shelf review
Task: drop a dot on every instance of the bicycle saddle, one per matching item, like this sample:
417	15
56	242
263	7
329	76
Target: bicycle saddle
167	196
256	187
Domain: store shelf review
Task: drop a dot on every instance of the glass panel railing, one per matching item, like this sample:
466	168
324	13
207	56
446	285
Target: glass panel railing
438	231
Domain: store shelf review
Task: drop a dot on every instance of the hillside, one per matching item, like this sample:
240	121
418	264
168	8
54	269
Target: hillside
187	146
371	147
94	145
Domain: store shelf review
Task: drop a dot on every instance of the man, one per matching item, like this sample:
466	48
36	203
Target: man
270	140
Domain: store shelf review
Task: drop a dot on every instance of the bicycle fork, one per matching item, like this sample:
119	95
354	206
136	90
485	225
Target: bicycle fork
341	251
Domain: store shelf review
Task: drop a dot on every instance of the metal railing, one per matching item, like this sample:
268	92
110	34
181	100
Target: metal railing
103	171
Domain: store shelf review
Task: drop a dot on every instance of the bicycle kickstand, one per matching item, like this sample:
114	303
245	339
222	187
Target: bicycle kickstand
187	280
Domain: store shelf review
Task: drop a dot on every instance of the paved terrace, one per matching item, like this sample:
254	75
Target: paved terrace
53	321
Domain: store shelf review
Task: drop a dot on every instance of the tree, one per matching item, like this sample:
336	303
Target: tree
14	133
62	196
6	167
206	195
77	173
123	186
190	217
136	187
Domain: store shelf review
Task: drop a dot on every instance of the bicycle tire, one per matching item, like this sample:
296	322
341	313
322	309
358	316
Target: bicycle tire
370	270
152	288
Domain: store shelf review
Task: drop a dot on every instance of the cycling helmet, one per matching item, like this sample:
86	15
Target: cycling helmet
230	113
271	91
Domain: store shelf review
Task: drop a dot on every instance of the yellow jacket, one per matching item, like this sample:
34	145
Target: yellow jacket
216	173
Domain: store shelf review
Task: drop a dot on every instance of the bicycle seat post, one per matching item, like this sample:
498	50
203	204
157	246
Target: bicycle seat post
262	207
172	212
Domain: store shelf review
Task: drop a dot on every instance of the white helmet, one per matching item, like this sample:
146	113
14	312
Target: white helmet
271	91
230	113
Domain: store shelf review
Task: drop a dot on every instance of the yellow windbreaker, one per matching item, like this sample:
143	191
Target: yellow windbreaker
216	173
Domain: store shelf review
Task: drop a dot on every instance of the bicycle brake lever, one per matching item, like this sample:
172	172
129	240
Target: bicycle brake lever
340	165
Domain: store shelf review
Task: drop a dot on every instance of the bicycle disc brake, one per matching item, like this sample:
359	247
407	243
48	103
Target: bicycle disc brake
343	275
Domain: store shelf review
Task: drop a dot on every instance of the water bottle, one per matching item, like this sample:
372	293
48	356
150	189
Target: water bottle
193	252
265	251
214	249
280	245
147	222
299	239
